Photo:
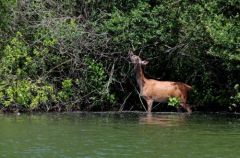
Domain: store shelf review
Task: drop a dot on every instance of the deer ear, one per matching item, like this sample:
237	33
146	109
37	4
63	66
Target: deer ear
144	62
130	53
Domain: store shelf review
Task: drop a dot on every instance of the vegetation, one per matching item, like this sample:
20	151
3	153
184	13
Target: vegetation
72	55
173	101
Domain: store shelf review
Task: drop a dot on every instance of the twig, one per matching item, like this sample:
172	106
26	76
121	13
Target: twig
110	78
140	99
131	108
46	74
124	102
79	99
155	106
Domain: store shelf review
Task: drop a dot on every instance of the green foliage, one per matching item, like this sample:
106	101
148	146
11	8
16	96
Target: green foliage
173	101
21	61
61	53
15	57
96	74
96	79
5	10
67	91
26	93
19	64
236	97
197	41
224	29
143	24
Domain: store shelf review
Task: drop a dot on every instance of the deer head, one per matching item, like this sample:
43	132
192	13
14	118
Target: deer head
136	60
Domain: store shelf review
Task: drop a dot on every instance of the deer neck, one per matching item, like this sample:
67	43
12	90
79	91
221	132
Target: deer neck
140	76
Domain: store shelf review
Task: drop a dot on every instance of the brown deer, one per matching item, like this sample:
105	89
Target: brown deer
159	91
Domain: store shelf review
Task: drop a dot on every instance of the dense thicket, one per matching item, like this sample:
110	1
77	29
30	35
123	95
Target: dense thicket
72	55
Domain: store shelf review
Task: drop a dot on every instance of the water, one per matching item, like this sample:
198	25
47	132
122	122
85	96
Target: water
103	135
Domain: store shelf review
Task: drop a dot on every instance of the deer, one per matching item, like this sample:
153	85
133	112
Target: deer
158	91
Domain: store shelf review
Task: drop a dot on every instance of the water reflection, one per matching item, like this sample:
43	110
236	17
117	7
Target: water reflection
163	120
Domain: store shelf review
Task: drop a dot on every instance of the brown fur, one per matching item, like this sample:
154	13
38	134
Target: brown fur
159	91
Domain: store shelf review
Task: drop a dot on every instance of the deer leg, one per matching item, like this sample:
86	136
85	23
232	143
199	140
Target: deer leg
149	103
186	107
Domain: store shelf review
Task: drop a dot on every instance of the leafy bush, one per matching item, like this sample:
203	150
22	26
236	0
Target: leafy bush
141	26
25	93
236	97
97	82
173	101
73	54
67	91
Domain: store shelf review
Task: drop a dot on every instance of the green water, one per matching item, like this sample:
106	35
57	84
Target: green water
103	135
